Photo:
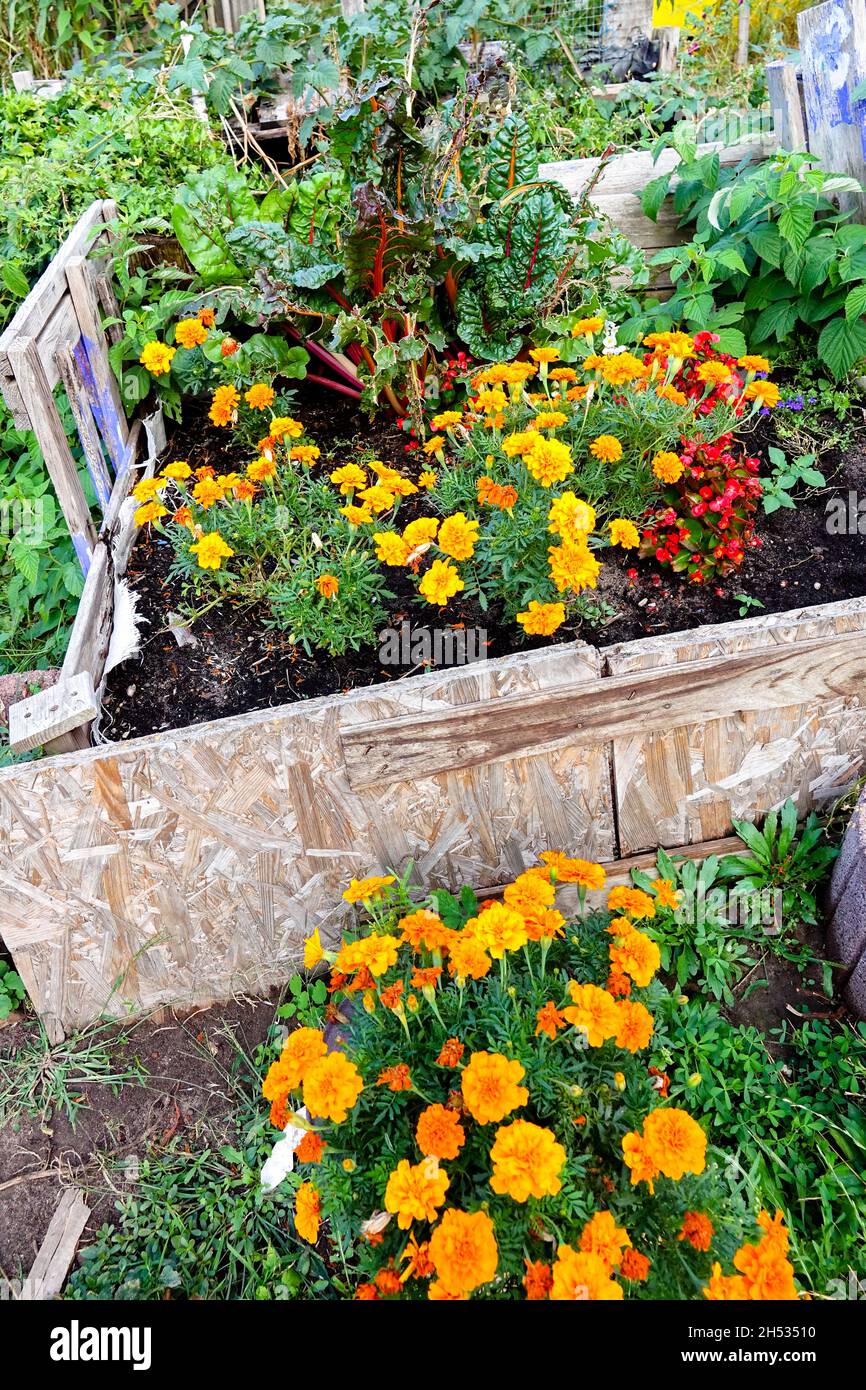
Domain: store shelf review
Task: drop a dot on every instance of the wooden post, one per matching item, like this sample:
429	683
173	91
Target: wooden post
39	404
744	18
833	55
789	127
624	21
668	39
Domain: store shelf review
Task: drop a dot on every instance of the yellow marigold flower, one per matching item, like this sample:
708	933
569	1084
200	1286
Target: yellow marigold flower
259	396
261	469
313	952
457	536
583	872
601	1236
440	583
542	619
300	1050
529	893
666	392
207	492
463	1252
578	1276
499	928
666	894
573	567
765	392
211	550
378	497
635	1025
632	901
619	370
376	953
224	405
421	531
357	516
284	424
624	533
549	461
156	357
439	1133
305	453
606	448
671	344
365	890
332	1086
636	955
148	512
713	373
445	419
562	374
391	549
594	1011
427	478
307	1212
414	1192
527	1161
549	420
489	1086
585	328
675	1142
348	478
328	585
467	959
177	471
753	363
147	488
594	362
544	355
434	444
490	402
519	443
190	333
571	518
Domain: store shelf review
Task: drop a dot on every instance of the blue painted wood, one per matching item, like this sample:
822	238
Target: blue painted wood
101	403
82	551
88	427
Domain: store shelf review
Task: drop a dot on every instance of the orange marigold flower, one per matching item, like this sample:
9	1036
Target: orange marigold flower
366	1293
261	469
463	1252
224	405
713	373
259	396
284	424
396	1078
675	1142
527	1161
606	448
635	1266
549	1020
439	1132
300	1050
190	333
583	872
156	357
376	953
635	954
618	985
451	1053
440	583
537	1281
332	1086
279	1115
548	460
635	1027
489	1086
498	928
468	959
767	1274
665	893
311	1148
632	901
458	536
425	977
414	1191
425	930
666	392
766	393
328	585
388	1282
594	1011
542	619
638	1159
365	890
503	496
601	1236
208	317
725	1288
544	354
419	1264
307	1212
581	1276
697	1230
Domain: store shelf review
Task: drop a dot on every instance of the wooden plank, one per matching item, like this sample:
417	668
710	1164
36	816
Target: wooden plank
25	361
784	93
102	385
833	56
57	1251
668	38
54	711
653	700
630	173
85	425
91	631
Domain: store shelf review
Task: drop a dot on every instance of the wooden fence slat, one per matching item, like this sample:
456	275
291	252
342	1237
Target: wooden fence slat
786	105
833	55
412	746
54	711
25	362
57	1251
105	398
88	433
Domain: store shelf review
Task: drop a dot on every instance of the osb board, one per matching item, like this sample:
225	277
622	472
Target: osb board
187	865
689	783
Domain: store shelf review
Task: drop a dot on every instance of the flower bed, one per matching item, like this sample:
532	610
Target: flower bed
490	1127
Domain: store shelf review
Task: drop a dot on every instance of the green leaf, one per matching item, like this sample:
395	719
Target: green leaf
855	302
841	345
795	225
15	280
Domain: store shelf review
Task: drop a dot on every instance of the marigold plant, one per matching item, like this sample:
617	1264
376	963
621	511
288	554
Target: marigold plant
488	1123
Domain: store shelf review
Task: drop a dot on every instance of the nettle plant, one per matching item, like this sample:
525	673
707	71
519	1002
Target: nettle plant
491	1127
771	253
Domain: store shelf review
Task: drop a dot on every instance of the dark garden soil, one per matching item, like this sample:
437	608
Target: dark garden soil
240	662
185	1065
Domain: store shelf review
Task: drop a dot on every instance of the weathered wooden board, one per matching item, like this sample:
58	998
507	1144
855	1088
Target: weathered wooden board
57	1251
833	55
689	781
188	865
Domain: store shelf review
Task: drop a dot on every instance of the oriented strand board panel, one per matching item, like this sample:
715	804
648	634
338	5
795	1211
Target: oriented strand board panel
689	783
185	866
